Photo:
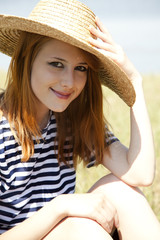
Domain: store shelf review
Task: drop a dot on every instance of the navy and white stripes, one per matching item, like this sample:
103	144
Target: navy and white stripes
25	187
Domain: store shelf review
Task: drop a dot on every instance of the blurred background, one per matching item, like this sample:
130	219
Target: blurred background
133	24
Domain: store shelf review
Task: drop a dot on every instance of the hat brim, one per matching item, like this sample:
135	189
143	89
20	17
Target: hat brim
110	73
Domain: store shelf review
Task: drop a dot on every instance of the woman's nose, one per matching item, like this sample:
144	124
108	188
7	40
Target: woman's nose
67	79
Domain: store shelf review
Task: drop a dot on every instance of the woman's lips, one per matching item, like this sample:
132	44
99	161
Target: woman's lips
61	95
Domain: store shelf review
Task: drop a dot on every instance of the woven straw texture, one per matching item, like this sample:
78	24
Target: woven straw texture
68	21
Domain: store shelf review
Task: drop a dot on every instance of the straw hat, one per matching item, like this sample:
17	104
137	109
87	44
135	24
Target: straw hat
66	20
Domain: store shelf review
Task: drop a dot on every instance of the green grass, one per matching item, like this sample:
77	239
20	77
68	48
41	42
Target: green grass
118	115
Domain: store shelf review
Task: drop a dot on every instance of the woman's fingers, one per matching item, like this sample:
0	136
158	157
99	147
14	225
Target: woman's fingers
106	214
103	30
104	41
100	35
108	47
94	206
101	45
115	53
104	221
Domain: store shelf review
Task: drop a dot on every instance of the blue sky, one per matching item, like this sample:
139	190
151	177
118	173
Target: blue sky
134	24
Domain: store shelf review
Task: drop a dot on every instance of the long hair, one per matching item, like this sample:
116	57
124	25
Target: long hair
17	102
84	129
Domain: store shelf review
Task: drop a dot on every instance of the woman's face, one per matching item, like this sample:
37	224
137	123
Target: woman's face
59	74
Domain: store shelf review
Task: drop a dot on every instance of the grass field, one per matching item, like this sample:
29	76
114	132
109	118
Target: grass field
118	115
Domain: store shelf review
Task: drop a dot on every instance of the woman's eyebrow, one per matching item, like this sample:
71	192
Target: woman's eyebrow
83	63
64	60
60	59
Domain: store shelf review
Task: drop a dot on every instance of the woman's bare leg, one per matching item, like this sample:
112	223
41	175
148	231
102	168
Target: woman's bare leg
78	229
136	218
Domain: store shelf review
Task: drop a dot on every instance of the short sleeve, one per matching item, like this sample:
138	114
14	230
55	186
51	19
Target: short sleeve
109	139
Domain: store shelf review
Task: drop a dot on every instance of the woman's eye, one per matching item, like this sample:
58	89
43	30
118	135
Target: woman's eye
56	64
81	68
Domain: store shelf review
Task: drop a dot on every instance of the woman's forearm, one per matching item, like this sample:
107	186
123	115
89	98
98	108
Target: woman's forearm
141	156
38	225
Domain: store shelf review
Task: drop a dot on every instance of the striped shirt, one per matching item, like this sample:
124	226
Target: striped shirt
25	187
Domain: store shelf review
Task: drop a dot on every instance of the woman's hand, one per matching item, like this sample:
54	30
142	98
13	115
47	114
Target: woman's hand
113	51
94	206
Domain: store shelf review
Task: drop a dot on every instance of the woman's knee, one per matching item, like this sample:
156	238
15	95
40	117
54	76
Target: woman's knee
116	190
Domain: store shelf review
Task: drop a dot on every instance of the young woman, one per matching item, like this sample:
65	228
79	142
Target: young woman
51	116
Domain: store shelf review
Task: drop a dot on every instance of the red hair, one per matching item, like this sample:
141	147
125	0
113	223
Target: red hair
85	128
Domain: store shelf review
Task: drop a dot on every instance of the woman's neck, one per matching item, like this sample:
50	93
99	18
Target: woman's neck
42	119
